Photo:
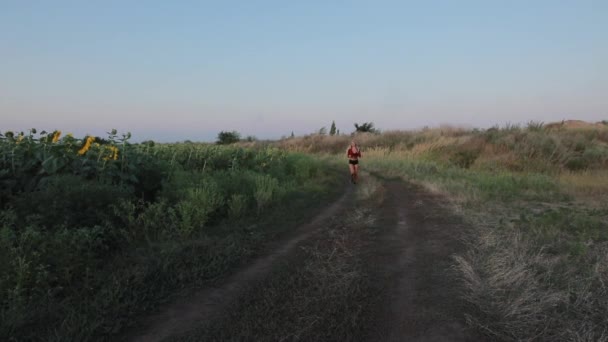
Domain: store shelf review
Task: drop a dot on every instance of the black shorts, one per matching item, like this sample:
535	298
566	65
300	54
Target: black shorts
353	162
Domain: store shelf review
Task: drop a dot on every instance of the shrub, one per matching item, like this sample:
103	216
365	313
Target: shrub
535	126
577	163
226	138
465	159
199	203
150	222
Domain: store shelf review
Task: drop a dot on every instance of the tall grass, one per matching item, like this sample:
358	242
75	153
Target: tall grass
531	149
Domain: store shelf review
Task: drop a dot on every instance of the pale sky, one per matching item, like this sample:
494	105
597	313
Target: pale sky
177	70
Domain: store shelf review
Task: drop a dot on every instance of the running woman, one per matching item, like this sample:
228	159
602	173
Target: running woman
353	154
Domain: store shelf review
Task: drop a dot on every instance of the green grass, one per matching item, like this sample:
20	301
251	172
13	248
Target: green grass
474	185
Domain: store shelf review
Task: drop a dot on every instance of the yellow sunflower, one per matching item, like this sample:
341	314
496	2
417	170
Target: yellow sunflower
56	136
87	145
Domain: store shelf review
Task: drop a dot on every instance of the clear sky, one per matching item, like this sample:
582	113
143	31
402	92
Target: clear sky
176	70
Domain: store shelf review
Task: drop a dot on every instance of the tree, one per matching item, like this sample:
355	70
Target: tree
332	129
365	127
225	138
322	131
292	135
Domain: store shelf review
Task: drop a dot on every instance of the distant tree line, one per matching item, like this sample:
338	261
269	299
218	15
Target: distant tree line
231	137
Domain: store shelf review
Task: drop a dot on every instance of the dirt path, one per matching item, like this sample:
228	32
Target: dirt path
410	264
413	256
187	313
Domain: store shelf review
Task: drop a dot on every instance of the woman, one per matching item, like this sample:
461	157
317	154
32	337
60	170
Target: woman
353	154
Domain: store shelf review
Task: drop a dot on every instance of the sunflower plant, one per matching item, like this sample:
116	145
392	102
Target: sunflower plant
26	158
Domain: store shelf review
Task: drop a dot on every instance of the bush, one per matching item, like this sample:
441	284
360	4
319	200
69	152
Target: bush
195	209
576	163
226	138
465	159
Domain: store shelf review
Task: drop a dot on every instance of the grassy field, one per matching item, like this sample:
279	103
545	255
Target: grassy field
96	232
535	199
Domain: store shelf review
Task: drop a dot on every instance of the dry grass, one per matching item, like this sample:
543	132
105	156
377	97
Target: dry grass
569	147
493	158
369	190
577	124
505	288
522	293
588	185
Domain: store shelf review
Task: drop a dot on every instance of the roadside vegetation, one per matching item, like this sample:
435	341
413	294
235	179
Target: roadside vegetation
95	232
536	200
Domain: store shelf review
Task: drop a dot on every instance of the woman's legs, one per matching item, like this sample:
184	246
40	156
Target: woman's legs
356	174
352	172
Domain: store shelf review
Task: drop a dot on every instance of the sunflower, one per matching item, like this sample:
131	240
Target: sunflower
87	145
113	153
56	136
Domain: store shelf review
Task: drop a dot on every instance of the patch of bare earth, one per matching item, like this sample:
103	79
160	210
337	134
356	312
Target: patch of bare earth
413	262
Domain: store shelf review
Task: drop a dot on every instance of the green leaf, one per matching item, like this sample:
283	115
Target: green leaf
51	165
39	155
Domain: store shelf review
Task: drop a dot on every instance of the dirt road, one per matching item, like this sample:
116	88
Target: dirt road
410	259
413	255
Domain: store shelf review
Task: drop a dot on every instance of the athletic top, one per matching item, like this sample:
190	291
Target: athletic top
352	154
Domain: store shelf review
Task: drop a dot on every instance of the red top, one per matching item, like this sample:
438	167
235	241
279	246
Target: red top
352	154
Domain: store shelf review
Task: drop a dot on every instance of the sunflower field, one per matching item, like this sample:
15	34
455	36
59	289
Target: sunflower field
94	231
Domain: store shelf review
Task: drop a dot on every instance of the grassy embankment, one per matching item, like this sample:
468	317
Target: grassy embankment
96	232
536	201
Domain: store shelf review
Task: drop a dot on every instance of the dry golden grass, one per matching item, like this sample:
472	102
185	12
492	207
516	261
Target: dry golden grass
576	124
493	157
579	146
587	185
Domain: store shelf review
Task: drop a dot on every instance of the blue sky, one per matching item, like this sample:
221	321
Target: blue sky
176	70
